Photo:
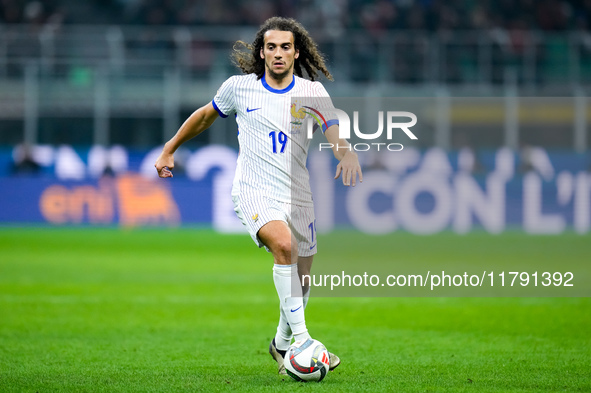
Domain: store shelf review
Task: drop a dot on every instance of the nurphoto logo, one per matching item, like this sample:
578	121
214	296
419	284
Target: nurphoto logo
393	123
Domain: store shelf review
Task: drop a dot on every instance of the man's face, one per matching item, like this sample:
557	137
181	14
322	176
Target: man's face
279	53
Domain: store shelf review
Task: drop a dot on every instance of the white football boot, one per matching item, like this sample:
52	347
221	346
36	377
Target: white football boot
279	355
334	361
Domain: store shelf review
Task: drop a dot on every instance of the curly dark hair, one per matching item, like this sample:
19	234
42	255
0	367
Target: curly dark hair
310	58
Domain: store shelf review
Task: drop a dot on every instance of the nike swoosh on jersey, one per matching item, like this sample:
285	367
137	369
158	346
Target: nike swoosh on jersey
250	110
312	246
292	310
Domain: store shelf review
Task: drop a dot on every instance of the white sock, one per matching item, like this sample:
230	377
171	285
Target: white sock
305	299
284	334
291	302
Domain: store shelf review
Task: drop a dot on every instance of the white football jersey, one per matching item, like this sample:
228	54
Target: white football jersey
272	135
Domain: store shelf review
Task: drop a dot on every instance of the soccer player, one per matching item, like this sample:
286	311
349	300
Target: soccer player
271	190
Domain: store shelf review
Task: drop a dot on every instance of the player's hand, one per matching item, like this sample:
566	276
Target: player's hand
350	168
165	164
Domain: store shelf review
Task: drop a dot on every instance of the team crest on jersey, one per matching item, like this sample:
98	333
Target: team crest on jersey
255	217
297	120
299	115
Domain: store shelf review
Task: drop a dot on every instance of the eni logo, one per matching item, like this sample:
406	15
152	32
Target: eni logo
134	199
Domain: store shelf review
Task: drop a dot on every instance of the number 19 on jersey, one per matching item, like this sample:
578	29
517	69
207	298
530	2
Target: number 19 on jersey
278	139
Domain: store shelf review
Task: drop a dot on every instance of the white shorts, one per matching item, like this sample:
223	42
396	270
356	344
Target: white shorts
257	212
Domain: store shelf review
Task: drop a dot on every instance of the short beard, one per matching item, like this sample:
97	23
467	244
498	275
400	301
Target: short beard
277	76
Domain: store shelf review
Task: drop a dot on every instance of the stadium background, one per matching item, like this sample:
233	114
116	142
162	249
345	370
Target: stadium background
89	91
94	88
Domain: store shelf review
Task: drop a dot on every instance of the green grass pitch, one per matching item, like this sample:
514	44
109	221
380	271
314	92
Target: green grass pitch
108	310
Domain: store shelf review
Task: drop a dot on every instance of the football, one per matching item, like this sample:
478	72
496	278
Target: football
307	361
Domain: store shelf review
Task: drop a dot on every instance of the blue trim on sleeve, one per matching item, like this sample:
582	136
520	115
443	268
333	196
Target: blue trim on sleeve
278	91
330	123
218	110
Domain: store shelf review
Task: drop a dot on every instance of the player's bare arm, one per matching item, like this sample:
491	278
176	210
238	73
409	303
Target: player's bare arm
198	122
348	161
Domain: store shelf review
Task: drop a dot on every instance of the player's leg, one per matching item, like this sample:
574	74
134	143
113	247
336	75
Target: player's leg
300	227
278	238
303	228
266	220
284	333
282	339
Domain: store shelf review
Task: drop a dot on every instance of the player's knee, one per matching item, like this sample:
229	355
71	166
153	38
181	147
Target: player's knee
283	252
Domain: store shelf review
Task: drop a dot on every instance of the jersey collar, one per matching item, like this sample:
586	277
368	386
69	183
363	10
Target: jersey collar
278	91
